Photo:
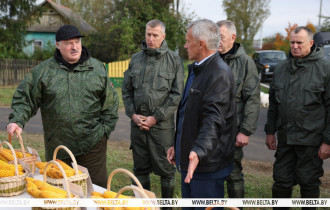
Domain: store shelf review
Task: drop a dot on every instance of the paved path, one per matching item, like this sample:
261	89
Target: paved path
256	150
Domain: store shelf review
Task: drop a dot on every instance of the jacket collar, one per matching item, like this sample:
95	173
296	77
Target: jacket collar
154	52
198	69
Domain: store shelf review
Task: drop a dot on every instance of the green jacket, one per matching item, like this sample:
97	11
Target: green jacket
299	100
153	84
247	89
77	107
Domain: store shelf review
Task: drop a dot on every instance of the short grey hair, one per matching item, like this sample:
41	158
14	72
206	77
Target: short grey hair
207	31
308	30
154	23
230	25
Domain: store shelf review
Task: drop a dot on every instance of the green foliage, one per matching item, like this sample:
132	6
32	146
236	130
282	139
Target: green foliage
248	17
14	16
325	25
43	53
121	25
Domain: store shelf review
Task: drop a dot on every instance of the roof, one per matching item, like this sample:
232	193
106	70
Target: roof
72	18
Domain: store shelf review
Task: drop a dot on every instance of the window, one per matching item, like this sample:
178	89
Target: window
37	44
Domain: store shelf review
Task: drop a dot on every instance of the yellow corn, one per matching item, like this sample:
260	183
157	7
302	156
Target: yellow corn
3	159
41	165
94	193
11	167
7	173
30	184
2	162
96	196
64	165
69	172
19	154
34	192
51	194
8	155
111	194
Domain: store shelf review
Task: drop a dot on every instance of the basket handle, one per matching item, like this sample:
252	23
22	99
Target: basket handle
13	153
20	140
75	167
63	173
125	171
132	187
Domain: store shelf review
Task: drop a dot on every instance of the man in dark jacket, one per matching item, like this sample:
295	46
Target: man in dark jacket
299	111
247	98
206	121
151	92
79	106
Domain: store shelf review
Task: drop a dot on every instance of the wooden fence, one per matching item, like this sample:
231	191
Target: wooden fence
12	71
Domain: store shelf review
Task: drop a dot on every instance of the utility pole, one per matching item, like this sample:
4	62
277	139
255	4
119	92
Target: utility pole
320	14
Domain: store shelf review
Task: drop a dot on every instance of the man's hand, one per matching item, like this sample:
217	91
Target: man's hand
149	122
241	140
271	142
138	119
324	151
171	155
12	127
193	162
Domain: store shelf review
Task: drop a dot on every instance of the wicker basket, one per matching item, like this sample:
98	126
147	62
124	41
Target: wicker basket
67	187
31	160
125	171
136	189
14	185
78	179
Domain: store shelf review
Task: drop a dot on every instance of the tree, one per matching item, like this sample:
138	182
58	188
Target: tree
121	25
248	16
326	25
14	16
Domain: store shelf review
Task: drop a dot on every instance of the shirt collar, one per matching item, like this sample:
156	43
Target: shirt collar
202	61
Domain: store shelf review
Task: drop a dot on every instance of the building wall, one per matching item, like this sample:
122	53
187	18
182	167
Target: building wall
34	38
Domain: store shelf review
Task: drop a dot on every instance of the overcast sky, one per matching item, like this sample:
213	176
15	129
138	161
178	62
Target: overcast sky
282	12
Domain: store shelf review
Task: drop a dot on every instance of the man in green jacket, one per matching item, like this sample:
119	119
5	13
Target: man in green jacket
247	98
299	111
79	106
151	92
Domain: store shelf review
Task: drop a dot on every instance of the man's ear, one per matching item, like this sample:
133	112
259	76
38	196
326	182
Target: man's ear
57	44
233	37
202	43
311	42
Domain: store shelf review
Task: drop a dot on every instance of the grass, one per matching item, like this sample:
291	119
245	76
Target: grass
6	95
258	175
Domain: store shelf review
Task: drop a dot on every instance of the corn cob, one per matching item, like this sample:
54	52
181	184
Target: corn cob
19	154
30	184
51	194
94	193
34	192
96	196
41	165
6	154
69	172
2	162
64	165
7	173
11	167
3	159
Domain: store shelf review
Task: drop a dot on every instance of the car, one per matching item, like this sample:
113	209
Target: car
266	61
322	39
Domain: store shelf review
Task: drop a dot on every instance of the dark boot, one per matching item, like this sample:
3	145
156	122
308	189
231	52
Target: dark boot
281	193
144	179
167	185
310	193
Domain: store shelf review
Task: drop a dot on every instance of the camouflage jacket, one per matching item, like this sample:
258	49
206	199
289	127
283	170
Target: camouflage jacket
77	107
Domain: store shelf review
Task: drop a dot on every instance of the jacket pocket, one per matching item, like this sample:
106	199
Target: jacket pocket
136	78
279	92
165	80
313	94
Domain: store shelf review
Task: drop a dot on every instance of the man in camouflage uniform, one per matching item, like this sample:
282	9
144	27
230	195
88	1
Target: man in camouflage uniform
299	111
151	91
79	106
247	98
